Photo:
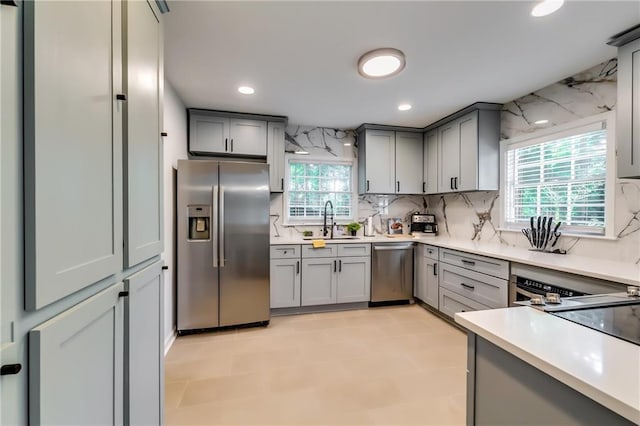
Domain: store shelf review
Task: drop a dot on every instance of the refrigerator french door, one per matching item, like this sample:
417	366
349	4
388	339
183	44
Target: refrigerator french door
223	244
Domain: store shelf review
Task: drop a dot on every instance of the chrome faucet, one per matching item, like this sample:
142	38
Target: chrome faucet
324	222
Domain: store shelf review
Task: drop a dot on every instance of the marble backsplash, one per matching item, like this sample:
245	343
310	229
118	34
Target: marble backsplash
476	216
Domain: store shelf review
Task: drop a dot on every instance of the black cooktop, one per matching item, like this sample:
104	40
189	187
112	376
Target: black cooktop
619	321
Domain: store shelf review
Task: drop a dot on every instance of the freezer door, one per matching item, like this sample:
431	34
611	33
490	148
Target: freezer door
244	243
197	284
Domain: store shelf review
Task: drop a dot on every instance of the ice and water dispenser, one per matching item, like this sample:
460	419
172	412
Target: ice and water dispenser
199	221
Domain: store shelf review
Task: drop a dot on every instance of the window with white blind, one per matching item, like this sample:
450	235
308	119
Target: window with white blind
564	172
313	182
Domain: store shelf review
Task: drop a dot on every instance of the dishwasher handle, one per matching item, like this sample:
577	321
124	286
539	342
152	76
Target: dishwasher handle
394	247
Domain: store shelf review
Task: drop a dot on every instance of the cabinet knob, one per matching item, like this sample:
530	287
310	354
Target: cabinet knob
121	97
123	294
164	134
10	369
165	267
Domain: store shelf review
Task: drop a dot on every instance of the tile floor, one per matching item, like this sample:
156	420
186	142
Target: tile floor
383	366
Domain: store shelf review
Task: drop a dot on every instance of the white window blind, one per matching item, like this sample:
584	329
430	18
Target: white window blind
311	183
563	175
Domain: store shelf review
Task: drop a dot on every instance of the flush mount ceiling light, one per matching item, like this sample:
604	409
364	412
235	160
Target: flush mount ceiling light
246	90
546	7
404	107
380	63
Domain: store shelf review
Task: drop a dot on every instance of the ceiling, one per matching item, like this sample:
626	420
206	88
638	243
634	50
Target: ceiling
301	57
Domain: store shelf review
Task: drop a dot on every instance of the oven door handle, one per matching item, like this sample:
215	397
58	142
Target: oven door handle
525	292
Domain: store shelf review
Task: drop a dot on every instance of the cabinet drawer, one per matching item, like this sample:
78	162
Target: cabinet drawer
485	265
450	303
354	249
330	250
482	288
284	252
431	252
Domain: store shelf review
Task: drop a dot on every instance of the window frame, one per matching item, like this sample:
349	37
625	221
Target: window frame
289	221
558	132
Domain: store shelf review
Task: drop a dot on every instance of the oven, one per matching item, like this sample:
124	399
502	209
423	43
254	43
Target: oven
526	281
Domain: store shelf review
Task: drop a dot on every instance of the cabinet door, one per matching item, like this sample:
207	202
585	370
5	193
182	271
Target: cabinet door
72	147
275	156
144	366
628	110
408	164
449	159
285	283
76	364
430	274
430	162
420	281
380	162
11	397
143	168
208	134
319	281
248	137
468	175
354	279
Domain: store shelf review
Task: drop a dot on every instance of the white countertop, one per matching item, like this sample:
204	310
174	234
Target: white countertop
603	368
624	273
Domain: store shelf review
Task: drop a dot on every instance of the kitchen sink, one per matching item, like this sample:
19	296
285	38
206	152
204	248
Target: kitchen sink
341	237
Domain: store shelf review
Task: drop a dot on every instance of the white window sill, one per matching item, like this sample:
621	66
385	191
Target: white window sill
567	234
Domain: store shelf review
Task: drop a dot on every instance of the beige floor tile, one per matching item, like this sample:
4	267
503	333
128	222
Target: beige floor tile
225	388
173	392
213	365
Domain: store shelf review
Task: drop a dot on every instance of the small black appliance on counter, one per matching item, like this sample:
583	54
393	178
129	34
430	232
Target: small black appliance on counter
424	223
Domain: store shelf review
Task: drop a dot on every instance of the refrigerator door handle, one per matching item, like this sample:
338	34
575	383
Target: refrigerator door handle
214	224
221	225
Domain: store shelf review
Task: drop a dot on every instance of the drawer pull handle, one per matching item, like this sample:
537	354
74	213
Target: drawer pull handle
470	287
468	262
10	369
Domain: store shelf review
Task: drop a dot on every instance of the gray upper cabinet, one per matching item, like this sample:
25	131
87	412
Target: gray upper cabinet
144	360
275	156
628	106
72	147
469	149
143	145
408	164
248	137
389	162
430	162
217	133
76	364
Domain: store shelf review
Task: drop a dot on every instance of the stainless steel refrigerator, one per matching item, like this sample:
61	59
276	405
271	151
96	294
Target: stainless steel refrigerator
223	244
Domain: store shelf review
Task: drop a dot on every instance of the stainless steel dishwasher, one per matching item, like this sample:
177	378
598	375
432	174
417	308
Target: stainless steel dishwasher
392	272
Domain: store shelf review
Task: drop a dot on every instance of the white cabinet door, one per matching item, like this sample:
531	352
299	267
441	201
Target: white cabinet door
319	281
468	174
449	156
73	146
144	364
430	162
628	110
380	162
275	156
143	167
354	279
76	364
430	276
247	137
285	283
408	164
208	133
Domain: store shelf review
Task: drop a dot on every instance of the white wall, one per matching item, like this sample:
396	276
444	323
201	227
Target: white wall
175	148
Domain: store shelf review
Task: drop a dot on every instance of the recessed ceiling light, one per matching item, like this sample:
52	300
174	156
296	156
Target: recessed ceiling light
301	152
380	63
404	107
541	122
246	90
546	7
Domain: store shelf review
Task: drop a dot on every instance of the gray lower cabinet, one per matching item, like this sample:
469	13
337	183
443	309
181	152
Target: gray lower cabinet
354	279
144	366
426	274
450	303
319	281
76	364
285	283
142	144
275	156
628	109
72	147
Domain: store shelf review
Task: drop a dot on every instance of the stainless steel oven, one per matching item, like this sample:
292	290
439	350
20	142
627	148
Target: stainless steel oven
522	288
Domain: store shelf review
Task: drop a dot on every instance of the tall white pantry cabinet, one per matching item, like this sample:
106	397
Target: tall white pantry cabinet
81	339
